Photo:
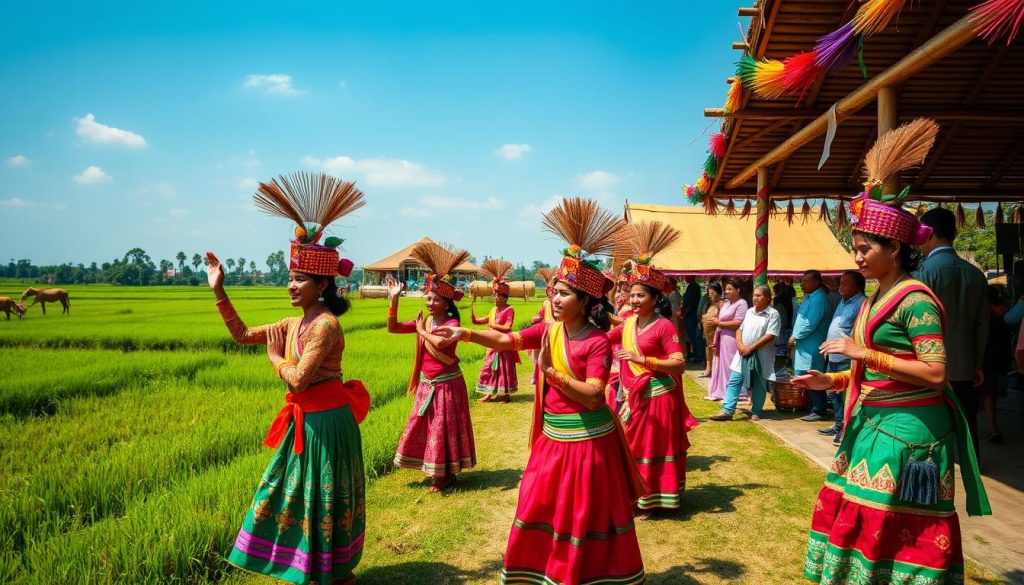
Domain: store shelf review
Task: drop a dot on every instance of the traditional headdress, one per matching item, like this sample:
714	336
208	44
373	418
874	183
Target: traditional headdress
312	201
647	238
497	269
441	262
545	274
590	231
881	214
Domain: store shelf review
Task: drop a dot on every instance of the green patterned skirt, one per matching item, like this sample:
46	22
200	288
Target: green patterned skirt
308	517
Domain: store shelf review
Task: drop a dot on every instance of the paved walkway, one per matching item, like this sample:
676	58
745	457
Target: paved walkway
995	542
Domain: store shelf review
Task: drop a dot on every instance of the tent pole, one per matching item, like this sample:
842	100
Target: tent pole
761	229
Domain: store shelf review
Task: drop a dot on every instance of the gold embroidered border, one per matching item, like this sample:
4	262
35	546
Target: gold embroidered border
901	509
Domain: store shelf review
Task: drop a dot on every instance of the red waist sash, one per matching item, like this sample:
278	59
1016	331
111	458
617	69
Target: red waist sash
317	398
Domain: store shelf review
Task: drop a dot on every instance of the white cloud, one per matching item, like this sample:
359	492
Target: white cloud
19	160
414	212
177	213
91	130
273	83
379	171
597	180
435	202
513	151
530	215
248	184
14	202
92	176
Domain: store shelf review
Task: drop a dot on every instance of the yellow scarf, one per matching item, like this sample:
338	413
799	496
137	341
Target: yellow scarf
558	349
631	342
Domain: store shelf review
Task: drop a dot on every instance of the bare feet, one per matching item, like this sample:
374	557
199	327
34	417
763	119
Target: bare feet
486	398
441	483
506	398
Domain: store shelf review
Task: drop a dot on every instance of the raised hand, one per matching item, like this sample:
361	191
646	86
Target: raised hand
214	271
448	335
275	343
625	354
844	346
394	287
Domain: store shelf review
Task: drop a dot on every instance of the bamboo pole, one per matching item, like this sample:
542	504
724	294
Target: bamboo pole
761	229
887	120
957	35
748	11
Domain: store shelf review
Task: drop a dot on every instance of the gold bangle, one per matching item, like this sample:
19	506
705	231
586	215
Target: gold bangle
467	334
840	380
880	362
651	363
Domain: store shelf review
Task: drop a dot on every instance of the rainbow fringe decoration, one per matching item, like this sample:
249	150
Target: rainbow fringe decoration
716	146
801	72
874	15
835	51
994	19
735	97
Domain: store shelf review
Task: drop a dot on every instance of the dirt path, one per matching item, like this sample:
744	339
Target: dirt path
744	517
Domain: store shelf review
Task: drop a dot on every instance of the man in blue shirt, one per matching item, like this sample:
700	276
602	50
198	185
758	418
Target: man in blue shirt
851	291
809	331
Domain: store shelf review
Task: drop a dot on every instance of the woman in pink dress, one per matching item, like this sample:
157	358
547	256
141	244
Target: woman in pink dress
730	317
438	437
651	365
574	520
498	377
623	311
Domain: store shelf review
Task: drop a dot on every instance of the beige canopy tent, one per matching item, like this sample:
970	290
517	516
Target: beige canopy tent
724	245
403	266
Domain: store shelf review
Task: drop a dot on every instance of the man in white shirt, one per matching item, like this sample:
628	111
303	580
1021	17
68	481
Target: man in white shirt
754	364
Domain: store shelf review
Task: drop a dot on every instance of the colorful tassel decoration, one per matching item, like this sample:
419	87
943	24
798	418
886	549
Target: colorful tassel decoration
735	98
994	19
790	213
979	217
773	208
710	166
801	73
746	69
998	218
874	15
961	218
746	210
836	50
703	186
805	212
716	146
690	192
823	213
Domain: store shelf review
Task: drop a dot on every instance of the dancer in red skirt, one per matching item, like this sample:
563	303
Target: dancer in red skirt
574	520
498	377
438	438
651	365
623	311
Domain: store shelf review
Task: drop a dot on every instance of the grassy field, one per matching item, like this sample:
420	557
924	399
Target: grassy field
131	428
130	442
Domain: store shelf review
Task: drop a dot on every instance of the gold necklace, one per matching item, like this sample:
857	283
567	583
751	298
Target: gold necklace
573	335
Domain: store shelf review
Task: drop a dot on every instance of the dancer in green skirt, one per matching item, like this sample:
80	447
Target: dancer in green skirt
886	514
307	520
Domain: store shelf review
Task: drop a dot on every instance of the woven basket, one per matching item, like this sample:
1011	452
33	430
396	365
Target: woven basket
785	396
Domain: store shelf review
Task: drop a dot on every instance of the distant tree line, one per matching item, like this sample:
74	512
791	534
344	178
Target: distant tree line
137	268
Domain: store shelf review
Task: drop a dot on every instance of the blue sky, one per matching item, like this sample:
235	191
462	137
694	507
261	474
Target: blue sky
130	125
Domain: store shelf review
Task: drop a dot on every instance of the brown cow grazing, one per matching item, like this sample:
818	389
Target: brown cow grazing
7	304
48	295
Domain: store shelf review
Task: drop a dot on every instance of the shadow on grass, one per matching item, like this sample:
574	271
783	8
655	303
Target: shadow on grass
470	481
685	574
706	499
704	462
426	573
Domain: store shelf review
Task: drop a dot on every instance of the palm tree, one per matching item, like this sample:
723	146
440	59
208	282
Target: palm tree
181	261
231	264
241	265
197	260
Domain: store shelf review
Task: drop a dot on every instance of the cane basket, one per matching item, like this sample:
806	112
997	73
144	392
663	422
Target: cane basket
786	396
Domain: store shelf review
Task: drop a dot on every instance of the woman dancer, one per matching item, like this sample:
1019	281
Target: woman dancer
307	519
651	366
708	324
886	514
730	317
438	437
498	376
574	520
